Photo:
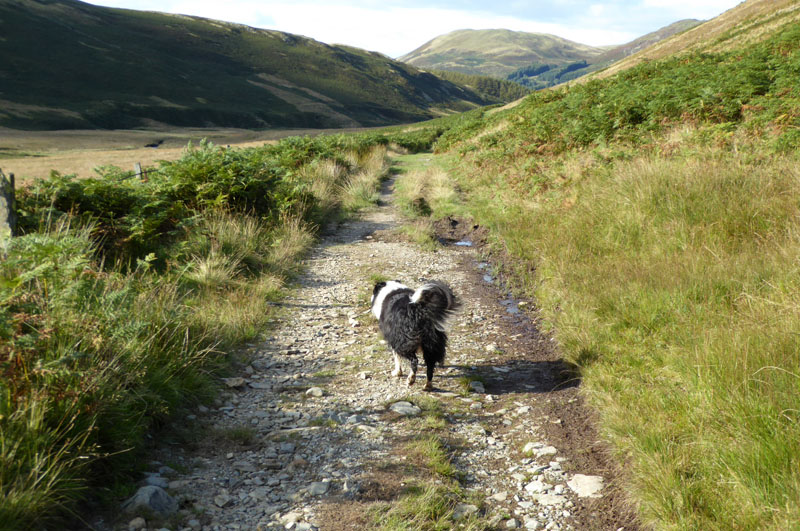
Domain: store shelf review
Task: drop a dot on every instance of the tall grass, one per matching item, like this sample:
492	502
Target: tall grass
655	216
673	284
120	302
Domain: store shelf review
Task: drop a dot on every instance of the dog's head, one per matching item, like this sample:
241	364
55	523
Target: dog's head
379	293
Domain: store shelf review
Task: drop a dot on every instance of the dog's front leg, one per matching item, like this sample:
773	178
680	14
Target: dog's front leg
398	369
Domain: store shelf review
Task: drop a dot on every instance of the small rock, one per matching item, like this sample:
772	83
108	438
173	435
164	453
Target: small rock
364	375
500	496
550	499
304	526
315	392
234	382
136	524
223	500
547	450
532	524
291	517
511	524
405	408
537	486
477	387
463	510
158	481
318	488
531	447
151	498
586	486
287	448
476	405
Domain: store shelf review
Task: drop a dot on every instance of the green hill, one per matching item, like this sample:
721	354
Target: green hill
654	216
543	75
67	64
496	52
533	60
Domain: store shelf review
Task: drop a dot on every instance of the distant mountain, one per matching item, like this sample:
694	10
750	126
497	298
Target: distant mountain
497	53
65	64
542	75
645	41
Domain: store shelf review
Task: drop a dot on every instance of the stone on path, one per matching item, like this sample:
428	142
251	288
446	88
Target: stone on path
463	510
315	392
318	488
586	486
151	498
405	408
234	382
477	387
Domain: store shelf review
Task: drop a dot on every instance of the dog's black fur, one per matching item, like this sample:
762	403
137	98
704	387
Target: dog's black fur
413	321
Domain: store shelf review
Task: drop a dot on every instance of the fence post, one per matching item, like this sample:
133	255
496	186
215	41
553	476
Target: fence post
139	172
8	216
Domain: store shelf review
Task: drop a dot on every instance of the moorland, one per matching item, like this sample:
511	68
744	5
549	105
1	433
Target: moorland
652	214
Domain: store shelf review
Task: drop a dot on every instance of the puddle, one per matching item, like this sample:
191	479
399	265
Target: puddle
464	243
488	278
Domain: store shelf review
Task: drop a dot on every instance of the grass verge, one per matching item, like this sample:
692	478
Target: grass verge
121	300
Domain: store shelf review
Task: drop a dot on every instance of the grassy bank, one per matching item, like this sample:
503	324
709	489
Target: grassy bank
672	283
660	212
122	300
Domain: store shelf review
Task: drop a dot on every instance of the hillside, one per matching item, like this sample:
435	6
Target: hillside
750	22
533	60
496	52
68	65
539	76
654	216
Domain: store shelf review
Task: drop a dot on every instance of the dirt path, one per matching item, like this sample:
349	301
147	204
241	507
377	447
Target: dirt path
308	437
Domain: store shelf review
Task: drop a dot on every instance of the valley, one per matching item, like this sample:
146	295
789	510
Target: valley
193	351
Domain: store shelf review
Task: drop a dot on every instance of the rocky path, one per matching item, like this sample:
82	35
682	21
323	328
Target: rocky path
314	429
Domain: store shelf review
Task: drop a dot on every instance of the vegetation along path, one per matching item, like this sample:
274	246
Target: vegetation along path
315	434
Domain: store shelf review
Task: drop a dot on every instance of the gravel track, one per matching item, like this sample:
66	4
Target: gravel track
306	432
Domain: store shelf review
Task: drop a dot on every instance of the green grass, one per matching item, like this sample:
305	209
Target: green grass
120	303
655	218
430	497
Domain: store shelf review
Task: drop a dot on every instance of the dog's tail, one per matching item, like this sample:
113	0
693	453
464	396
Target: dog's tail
437	301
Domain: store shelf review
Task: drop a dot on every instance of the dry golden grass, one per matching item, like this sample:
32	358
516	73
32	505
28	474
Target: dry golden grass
80	152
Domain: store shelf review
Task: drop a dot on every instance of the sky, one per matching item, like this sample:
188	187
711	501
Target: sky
396	27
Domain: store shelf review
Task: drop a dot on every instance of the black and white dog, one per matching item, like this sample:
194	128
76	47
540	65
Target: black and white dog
413	321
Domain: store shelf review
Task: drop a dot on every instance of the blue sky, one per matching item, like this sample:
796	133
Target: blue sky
395	27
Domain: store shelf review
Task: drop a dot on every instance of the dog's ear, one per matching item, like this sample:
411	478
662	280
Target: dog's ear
379	286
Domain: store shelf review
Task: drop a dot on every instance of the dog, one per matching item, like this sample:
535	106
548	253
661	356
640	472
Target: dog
412	321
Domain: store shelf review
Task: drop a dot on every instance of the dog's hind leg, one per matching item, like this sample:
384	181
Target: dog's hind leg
412	376
398	368
433	353
429	374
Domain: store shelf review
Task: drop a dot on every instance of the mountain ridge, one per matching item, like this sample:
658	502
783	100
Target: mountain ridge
72	65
